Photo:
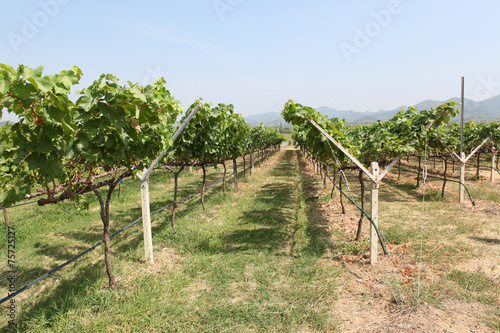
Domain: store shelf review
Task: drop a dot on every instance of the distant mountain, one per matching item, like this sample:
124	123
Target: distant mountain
268	119
486	110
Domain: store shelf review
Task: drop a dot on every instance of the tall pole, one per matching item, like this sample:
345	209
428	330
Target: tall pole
374	214
462	119
462	154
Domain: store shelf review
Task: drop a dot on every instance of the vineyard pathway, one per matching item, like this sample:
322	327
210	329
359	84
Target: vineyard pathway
258	262
351	298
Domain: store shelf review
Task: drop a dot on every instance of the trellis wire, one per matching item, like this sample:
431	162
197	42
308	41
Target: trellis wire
40	278
382	240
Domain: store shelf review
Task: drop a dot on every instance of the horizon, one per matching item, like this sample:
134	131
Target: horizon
369	55
324	106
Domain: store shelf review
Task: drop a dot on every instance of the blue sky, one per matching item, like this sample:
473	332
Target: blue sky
349	55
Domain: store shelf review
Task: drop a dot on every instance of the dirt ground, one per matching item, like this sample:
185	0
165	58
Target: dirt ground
366	300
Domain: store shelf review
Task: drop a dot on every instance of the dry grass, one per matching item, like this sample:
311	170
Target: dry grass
457	286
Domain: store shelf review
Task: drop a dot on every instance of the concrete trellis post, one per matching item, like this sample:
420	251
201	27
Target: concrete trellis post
252	163
146	215
462	159
146	221
493	156
462	177
374	214
376	177
324	175
235	174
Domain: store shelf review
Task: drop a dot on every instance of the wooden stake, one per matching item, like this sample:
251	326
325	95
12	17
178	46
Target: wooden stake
324	176
235	174
492	165
146	221
224	177
252	170
374	214
462	178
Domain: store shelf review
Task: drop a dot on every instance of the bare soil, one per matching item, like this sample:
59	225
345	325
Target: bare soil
383	297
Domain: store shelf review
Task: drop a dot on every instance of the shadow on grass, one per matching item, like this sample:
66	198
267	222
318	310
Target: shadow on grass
70	291
392	191
65	298
193	185
267	224
485	240
277	220
58	252
23	277
318	222
270	220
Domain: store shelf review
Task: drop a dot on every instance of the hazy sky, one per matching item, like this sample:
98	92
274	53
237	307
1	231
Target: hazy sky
255	54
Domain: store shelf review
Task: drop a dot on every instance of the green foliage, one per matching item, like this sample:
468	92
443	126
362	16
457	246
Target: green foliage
266	137
204	140
404	134
217	134
38	147
124	126
305	134
474	134
59	141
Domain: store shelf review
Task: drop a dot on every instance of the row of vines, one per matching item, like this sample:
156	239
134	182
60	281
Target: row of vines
426	133
65	146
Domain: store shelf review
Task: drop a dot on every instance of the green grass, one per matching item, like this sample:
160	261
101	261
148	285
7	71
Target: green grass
248	263
475	286
258	259
450	238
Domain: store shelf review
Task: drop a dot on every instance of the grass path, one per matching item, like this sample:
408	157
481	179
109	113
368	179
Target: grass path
248	263
275	256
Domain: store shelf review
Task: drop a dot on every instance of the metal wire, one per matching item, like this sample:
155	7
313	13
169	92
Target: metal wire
449	180
382	242
381	239
27	286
